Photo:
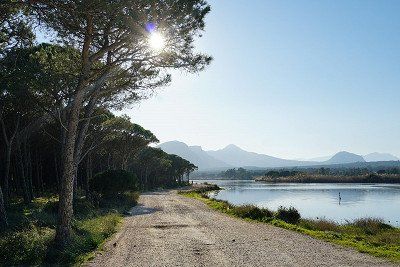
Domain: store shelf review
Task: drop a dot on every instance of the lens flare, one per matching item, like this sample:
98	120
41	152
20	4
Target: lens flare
150	27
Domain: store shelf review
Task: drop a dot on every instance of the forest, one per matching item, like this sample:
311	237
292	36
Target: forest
66	68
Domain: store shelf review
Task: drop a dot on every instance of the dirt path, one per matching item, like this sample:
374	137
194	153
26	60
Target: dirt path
170	230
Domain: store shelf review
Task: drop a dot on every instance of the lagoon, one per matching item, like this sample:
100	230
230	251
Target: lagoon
317	200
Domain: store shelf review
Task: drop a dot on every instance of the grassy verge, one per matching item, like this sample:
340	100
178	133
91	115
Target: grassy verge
29	240
367	235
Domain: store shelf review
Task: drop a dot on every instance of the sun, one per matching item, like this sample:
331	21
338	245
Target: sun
156	41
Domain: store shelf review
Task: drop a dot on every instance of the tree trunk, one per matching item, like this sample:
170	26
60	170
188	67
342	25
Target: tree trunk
75	195
69	172
9	144
3	215
28	168
7	176
88	175
69	162
22	178
57	171
65	210
39	176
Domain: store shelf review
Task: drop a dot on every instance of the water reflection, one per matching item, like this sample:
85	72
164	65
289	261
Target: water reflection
318	200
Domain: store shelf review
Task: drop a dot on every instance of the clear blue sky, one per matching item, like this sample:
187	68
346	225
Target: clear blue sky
294	79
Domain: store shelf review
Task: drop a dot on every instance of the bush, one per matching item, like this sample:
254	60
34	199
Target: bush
114	182
289	215
371	226
83	208
252	212
121	202
320	225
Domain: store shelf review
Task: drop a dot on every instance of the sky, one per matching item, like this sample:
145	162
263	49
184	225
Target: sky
292	79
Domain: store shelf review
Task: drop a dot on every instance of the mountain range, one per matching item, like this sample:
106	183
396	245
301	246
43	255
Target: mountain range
233	156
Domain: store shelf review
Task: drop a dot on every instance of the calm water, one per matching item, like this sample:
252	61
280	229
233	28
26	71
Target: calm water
317	200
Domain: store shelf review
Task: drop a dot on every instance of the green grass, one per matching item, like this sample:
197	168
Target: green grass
29	239
366	235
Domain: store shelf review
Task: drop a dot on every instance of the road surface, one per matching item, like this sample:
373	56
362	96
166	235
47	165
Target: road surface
167	229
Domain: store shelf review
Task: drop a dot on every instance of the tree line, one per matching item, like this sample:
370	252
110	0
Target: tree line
245	174
57	97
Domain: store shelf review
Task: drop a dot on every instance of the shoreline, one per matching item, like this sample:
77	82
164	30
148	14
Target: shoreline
366	235
313	178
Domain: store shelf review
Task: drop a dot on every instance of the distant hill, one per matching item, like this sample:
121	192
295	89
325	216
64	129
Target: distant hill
380	157
194	154
235	156
344	157
320	159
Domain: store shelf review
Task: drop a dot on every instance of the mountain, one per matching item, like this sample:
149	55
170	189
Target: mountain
194	154
344	157
380	157
233	156
237	157
320	159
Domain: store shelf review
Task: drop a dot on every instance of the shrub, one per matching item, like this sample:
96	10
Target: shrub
320	225
252	212
83	208
114	182
121	202
289	215
371	226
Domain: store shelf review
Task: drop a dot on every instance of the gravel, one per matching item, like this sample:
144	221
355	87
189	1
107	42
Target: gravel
167	229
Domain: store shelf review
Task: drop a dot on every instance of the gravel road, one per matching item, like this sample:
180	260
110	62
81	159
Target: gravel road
167	229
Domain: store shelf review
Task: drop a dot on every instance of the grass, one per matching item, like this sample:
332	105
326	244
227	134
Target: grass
29	239
367	235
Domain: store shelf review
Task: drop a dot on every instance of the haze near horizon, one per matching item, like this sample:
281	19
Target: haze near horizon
302	80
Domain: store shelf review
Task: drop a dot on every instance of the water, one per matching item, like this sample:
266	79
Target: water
317	200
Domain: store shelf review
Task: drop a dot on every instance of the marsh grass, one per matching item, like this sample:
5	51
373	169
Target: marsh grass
29	239
367	235
330	178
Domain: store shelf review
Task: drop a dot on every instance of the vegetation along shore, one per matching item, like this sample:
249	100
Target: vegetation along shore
371	172
279	177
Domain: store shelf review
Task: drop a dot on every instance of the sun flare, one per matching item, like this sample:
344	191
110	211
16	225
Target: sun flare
156	41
